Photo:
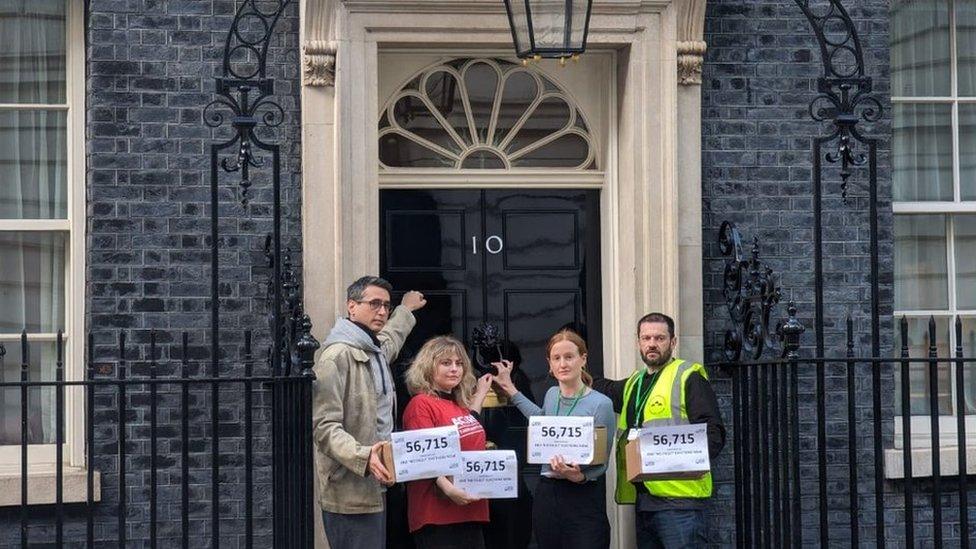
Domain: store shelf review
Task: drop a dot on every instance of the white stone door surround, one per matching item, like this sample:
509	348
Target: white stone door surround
650	185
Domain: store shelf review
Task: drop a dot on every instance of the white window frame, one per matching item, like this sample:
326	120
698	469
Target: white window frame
921	425
41	457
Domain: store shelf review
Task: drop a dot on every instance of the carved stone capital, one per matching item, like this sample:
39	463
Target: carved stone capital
318	63
690	57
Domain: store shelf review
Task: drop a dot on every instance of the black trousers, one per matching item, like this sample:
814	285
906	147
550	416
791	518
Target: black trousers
464	535
567	515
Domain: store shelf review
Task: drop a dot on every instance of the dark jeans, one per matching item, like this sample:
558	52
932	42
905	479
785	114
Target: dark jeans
464	535
671	529
567	515
358	531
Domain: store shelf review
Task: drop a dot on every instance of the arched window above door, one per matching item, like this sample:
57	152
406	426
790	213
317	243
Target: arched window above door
484	114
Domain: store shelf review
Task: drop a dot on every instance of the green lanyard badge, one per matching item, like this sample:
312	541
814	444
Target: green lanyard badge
579	395
642	399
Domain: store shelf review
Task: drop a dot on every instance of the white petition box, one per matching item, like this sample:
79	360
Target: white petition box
423	453
568	436
668	453
490	474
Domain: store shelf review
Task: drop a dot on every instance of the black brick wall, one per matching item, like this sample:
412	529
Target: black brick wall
150	71
759	76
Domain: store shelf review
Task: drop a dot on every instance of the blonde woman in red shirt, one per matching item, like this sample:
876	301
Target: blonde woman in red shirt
440	515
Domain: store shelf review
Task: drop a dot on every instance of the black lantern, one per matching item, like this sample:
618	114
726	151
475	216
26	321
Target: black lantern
549	28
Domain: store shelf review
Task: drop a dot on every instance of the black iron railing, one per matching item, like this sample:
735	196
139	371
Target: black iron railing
789	414
239	447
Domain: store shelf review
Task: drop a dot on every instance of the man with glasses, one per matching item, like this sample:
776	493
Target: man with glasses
354	403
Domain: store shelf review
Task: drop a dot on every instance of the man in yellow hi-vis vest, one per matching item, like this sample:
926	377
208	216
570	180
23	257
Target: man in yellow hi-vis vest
668	390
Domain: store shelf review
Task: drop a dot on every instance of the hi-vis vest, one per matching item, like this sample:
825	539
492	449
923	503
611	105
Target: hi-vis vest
664	406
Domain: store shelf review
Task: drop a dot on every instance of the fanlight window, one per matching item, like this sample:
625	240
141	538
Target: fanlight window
483	114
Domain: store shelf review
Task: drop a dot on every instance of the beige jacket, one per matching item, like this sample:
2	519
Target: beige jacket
344	420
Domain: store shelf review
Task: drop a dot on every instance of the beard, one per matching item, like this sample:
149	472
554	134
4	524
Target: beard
663	358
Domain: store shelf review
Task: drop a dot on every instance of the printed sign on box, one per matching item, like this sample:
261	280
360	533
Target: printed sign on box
568	436
423	453
491	474
674	452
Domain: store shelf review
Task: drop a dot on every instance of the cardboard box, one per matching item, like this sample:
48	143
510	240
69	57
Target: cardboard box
426	461
599	445
490	474
638	472
386	454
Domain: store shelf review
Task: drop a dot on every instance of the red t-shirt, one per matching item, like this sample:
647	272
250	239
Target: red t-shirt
426	504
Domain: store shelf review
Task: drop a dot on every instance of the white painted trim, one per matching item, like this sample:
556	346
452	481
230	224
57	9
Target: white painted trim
922	430
33	106
75	315
39	225
502	75
894	467
41	486
417	179
74	225
933	207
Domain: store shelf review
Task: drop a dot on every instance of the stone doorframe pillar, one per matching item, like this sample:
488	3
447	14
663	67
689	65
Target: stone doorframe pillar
652	252
690	49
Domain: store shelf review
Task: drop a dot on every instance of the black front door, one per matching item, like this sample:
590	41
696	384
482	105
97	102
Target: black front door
527	261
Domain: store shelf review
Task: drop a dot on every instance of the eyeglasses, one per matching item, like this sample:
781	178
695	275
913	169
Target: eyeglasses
376	304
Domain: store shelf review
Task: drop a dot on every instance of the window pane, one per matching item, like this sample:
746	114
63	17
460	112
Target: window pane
401	151
918	347
445	93
966	47
412	114
32	282
481	81
968	343
921	281
32	62
922	152
33	165
967	150
920	48
965	230
40	400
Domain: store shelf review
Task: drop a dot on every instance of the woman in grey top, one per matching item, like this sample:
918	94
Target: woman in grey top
569	509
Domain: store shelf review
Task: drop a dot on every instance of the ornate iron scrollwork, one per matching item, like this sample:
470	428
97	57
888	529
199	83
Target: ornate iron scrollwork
751	293
844	92
789	333
294	338
245	90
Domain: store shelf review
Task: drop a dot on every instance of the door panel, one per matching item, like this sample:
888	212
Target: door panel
425	246
546	276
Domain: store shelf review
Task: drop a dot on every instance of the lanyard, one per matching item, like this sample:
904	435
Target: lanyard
642	400
579	395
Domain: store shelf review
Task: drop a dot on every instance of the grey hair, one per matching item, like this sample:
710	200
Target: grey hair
355	290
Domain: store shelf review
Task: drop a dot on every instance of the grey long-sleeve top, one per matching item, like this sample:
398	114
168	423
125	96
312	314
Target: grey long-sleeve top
593	404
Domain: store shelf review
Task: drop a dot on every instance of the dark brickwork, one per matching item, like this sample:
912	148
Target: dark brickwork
151	67
150	71
759	77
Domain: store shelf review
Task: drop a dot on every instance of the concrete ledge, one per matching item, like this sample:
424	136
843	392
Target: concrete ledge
41	486
922	462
